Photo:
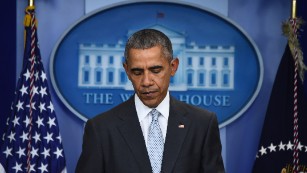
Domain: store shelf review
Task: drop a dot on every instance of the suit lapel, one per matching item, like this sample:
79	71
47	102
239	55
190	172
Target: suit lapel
132	133
178	125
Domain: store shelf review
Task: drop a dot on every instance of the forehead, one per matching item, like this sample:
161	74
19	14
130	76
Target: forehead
153	56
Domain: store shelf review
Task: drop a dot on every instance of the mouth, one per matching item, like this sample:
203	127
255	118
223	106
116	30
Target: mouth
148	94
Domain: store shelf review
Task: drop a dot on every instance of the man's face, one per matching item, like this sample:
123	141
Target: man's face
150	72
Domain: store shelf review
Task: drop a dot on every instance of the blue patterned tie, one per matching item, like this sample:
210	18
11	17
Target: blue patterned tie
155	143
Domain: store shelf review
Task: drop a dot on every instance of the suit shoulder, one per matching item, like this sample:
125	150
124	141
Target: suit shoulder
112	114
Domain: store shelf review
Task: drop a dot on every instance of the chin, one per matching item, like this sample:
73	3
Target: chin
151	105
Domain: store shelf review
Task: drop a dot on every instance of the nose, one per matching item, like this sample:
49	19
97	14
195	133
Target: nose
147	79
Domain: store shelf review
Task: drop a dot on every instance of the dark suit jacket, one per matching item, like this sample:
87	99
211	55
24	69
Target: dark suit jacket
113	142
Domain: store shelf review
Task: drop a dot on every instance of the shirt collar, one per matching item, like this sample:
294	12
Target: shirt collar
143	110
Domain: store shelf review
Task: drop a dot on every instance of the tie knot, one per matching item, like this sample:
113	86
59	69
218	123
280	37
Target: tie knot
155	114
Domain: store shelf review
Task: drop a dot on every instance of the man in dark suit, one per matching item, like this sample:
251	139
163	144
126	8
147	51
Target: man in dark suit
128	139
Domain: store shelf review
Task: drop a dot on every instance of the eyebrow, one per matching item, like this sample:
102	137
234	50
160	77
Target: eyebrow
155	67
137	69
150	68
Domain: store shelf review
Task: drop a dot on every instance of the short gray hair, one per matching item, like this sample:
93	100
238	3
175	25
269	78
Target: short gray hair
148	38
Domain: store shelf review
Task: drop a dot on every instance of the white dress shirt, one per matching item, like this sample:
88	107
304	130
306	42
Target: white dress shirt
145	118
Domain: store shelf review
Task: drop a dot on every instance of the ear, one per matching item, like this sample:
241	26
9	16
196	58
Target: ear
174	66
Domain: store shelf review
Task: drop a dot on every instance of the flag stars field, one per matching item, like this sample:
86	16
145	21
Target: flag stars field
32	106
51	122
21	152
43	76
58	152
39	122
8	152
24	136
16	121
48	137
32	168
17	167
60	139
43	168
282	147
46	153
34	152
289	146
300	146
35	90
23	90
43	91
11	136
262	150
272	147
27	75
51	107
19	105
37	137
27	121
36	75
42	107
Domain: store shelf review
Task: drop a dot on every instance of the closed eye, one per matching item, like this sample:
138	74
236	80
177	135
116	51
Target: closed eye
156	69
137	71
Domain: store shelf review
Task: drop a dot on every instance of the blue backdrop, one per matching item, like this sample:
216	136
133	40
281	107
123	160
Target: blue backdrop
7	60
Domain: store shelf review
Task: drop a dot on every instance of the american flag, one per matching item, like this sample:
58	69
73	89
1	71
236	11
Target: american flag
32	142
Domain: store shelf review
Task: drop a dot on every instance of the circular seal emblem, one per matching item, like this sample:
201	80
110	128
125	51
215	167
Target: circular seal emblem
220	66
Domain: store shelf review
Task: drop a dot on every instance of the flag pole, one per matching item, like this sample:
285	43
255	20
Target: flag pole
31	3
293	9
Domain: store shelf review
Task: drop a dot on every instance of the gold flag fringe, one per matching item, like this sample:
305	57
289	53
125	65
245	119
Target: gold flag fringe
290	32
